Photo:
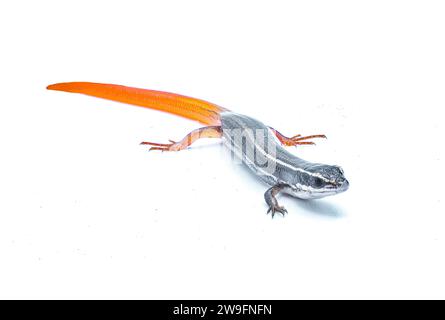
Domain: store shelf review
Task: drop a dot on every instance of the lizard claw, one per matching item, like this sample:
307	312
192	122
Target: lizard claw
172	146
273	209
299	140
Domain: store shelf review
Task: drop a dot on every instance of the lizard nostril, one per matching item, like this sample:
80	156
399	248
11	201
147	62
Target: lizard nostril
340	180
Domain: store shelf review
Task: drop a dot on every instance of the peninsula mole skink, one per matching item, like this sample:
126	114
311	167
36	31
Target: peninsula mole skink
258	146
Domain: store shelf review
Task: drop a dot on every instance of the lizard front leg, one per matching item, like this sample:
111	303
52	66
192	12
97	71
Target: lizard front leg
295	140
272	202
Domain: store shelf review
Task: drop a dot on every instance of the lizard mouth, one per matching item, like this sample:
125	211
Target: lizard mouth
343	186
336	188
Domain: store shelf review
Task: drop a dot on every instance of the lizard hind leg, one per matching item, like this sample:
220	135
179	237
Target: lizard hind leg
206	132
295	140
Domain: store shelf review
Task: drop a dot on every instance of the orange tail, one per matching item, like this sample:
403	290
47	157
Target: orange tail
191	108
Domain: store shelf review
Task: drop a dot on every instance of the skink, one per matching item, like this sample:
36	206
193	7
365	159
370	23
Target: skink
258	146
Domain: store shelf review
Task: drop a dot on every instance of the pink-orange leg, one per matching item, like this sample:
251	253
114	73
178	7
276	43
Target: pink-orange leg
295	140
206	132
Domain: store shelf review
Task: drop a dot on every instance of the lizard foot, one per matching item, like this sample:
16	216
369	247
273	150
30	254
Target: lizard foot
297	139
172	146
276	208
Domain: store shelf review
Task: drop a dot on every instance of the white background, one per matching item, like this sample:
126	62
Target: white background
85	212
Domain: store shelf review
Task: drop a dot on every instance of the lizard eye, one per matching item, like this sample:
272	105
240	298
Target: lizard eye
318	183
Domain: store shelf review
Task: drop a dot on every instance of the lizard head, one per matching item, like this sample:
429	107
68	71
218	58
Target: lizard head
318	181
